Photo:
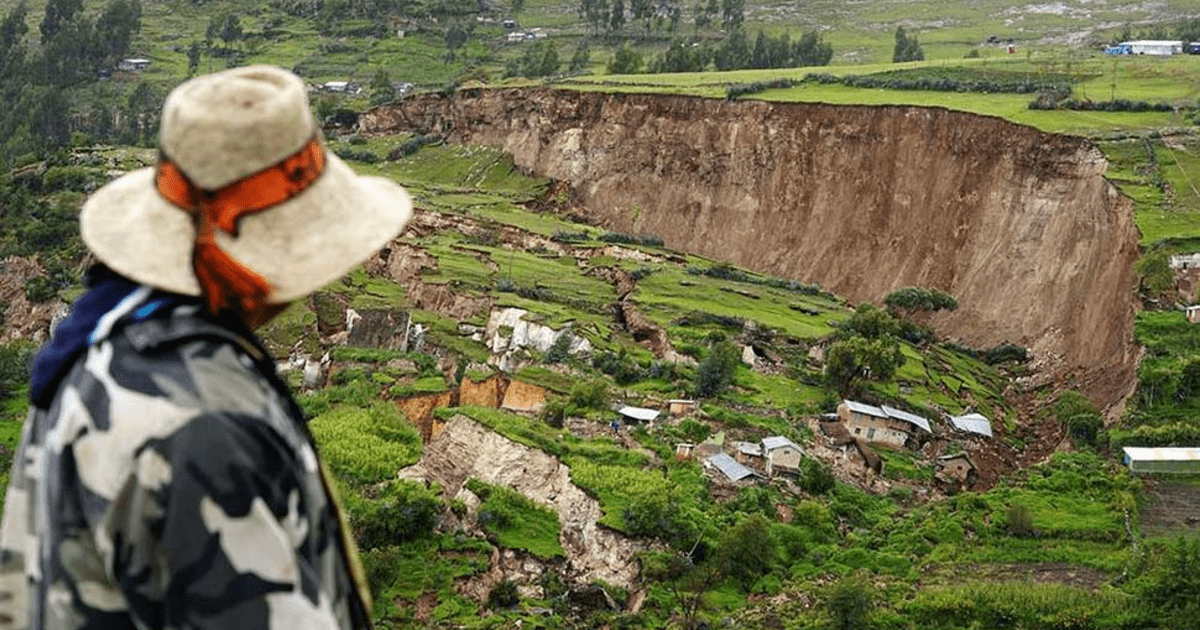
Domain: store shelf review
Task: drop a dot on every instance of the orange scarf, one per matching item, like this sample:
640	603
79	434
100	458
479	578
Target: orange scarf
224	282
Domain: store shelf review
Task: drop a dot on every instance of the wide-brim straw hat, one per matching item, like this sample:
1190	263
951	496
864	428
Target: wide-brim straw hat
219	129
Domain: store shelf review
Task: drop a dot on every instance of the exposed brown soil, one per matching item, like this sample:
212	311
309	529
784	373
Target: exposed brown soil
1060	572
1018	225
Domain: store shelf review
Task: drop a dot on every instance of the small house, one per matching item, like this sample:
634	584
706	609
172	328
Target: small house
728	467
515	37
781	455
956	469
683	450
882	424
133	65
1168	460
1147	47
1193	313
340	87
680	406
972	423
749	453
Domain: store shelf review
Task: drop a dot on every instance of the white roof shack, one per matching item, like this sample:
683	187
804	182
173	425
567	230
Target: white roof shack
639	413
1185	460
972	423
729	467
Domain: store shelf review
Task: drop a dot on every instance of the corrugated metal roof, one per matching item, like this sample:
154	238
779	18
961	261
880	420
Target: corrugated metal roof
750	448
778	441
870	410
638	413
1162	454
907	417
730	467
972	422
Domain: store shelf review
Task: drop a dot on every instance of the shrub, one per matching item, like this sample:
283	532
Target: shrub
403	511
816	477
1019	520
1080	417
716	371
850	604
503	595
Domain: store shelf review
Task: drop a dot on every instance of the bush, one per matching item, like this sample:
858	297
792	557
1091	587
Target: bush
503	595
850	604
816	477
716	371
1019	520
1080	417
403	511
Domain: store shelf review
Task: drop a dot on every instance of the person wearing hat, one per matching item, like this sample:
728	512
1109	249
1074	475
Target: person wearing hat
165	477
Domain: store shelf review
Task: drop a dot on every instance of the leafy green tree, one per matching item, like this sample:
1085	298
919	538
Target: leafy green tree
58	14
193	58
595	14
457	35
625	61
851	363
746	551
733	14
907	47
616	20
911	300
869	322
812	50
715	373
582	58
760	57
1156	279
115	28
734	52
381	88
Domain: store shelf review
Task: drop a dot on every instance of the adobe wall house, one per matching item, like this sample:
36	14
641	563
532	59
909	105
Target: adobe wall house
957	469
882	424
781	455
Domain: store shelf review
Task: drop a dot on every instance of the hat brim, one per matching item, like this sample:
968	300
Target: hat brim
298	246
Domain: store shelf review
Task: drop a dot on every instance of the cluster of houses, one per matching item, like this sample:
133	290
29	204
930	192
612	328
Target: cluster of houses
853	428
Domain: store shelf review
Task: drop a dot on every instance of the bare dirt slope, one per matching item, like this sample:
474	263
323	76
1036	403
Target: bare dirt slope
1020	226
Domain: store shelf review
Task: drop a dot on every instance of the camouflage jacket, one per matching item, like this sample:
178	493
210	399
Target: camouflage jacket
169	482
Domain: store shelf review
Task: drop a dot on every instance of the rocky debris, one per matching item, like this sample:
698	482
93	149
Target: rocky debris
508	333
465	449
23	319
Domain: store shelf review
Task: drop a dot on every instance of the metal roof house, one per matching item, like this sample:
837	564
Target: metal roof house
1170	460
729	467
781	455
881	424
972	423
1147	47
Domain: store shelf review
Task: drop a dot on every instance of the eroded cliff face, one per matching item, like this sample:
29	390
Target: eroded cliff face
1018	225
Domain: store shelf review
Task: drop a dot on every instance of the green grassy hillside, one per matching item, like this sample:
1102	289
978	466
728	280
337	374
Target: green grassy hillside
1057	544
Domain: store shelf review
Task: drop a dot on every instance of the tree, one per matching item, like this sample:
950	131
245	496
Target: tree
733	14
594	13
811	50
118	23
734	52
746	551
193	58
616	21
381	88
456	37
911	300
715	373
761	56
869	322
58	14
852	362
907	47
581	59
625	61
